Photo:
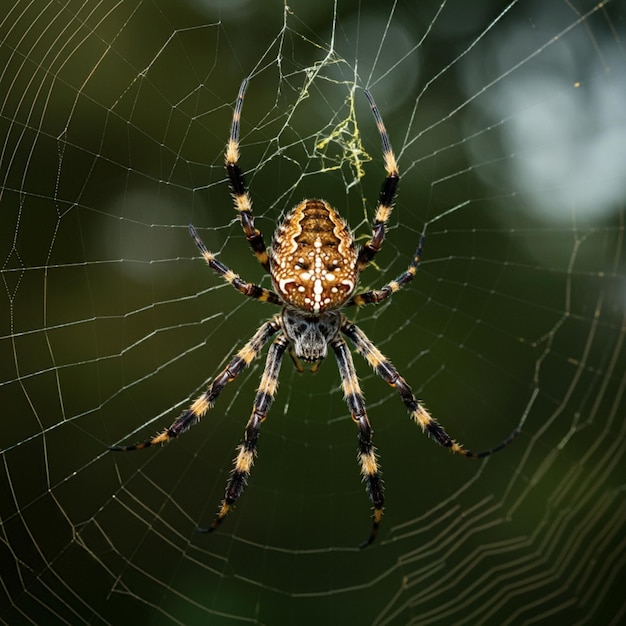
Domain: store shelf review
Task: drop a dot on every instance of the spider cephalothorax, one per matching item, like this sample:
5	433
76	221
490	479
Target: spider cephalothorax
314	265
310	335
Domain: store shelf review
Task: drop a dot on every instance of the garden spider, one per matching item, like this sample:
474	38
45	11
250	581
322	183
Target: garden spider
314	265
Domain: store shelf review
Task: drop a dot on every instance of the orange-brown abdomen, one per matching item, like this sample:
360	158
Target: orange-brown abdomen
313	258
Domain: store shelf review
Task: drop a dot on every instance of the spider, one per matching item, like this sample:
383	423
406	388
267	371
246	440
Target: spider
314	264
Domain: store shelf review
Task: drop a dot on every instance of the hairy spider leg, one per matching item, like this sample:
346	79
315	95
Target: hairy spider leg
247	289
241	197
420	415
248	448
367	452
375	296
387	192
205	401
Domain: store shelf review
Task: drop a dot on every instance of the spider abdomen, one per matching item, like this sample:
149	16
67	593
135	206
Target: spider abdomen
313	261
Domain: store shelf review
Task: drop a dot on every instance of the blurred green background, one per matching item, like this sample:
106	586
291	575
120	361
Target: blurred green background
507	122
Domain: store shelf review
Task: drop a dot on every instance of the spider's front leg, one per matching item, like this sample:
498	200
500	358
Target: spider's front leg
385	369
205	401
367	452
248	448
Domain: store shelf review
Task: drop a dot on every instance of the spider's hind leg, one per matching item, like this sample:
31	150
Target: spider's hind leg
241	197
387	192
250	290
375	296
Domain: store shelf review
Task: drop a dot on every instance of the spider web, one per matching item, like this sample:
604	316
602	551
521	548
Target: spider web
509	127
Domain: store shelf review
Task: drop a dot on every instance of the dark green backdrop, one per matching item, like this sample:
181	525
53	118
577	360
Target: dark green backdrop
114	118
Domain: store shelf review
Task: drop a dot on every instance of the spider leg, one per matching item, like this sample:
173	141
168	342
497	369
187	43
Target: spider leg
387	192
367	452
247	450
241	197
205	401
375	296
388	372
247	289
